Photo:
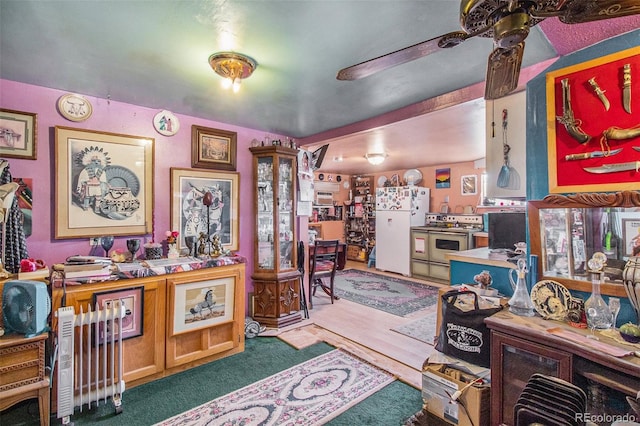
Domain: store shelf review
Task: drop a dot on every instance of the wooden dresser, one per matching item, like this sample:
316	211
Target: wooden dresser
22	372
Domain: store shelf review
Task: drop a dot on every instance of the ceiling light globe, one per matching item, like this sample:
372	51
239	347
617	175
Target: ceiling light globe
375	159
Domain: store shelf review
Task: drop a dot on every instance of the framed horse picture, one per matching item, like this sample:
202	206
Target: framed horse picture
201	304
204	204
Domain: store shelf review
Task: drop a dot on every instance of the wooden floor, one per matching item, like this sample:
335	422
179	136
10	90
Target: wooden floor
363	331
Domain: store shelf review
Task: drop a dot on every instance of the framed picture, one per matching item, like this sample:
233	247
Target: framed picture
469	184
132	323
18	134
590	116
631	237
192	218
213	148
443	178
202	304
104	183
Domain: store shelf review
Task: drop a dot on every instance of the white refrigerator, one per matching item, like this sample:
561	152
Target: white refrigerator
397	210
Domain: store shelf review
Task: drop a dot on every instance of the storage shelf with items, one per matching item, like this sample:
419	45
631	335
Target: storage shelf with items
360	219
276	273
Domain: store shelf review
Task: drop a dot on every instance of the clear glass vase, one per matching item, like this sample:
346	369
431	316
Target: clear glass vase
598	314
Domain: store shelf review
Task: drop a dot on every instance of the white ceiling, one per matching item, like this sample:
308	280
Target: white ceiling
154	54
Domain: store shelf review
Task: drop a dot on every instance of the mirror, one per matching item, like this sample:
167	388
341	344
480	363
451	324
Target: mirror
565	231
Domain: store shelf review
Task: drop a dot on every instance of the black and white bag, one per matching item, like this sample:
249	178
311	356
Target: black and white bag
463	334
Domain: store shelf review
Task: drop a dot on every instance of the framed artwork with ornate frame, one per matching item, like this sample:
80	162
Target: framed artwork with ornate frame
213	148
592	126
189	214
200	304
104	183
133	300
18	134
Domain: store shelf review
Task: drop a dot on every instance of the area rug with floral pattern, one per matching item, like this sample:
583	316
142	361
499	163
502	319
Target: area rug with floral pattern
423	328
389	294
310	393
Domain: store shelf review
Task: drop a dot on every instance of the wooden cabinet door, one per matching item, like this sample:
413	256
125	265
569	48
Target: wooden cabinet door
513	361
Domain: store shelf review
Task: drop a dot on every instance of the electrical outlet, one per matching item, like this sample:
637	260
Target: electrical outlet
95	241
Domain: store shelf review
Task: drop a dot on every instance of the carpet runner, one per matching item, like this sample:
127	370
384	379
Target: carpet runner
310	393
389	294
423	329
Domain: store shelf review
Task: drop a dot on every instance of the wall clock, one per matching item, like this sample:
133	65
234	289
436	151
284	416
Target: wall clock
166	123
74	107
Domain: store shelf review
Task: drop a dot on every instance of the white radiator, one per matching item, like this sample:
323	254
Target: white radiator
89	358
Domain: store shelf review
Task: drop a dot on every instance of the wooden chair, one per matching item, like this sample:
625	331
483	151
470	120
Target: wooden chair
323	264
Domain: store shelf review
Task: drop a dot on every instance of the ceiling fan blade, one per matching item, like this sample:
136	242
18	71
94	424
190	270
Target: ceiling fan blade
366	68
503	71
579	11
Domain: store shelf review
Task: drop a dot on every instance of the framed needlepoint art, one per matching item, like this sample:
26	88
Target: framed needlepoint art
593	124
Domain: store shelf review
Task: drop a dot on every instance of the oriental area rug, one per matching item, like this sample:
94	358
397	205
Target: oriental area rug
311	393
389	294
423	328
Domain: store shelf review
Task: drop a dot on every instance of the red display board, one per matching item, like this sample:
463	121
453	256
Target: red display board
600	122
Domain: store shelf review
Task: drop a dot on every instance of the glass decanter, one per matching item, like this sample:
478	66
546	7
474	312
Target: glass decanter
520	303
597	311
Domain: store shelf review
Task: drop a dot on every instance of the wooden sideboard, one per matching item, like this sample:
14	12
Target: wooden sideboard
521	346
170	344
22	372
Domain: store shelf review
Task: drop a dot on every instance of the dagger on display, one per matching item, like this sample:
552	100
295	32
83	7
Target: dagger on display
600	93
612	168
626	88
593	154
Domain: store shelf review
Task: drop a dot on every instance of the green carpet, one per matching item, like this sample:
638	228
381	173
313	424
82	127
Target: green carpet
263	356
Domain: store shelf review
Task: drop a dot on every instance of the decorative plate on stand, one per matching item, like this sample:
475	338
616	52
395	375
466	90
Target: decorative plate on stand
166	123
381	181
550	299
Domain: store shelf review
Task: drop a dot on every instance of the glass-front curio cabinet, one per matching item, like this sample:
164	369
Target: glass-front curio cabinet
276	278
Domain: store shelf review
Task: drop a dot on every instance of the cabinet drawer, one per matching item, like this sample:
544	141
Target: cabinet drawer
419	269
439	271
21	364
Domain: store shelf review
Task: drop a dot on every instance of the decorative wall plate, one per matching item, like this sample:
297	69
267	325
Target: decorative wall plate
412	177
551	299
166	123
74	107
381	181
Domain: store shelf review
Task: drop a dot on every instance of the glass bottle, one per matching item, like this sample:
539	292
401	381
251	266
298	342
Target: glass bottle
520	303
598	313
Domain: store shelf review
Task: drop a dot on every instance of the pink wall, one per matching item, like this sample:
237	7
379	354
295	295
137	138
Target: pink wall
116	117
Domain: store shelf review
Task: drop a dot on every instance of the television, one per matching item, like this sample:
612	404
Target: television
505	229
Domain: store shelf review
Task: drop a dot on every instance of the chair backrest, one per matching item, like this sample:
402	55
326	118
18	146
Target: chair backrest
325	258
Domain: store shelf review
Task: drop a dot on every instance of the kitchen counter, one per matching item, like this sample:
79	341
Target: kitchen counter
482	256
466	264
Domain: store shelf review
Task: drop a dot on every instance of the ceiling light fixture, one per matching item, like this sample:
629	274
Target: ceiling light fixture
376	158
232	67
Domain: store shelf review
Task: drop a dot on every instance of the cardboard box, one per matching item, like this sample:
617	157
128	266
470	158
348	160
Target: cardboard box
472	408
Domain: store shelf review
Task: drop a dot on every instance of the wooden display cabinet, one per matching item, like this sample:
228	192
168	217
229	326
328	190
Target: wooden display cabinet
276	278
164	348
521	346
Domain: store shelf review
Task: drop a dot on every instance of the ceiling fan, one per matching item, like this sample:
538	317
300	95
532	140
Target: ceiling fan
508	23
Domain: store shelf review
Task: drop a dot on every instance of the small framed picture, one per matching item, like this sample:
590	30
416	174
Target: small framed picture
631	237
132	323
18	134
213	148
201	304
469	184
